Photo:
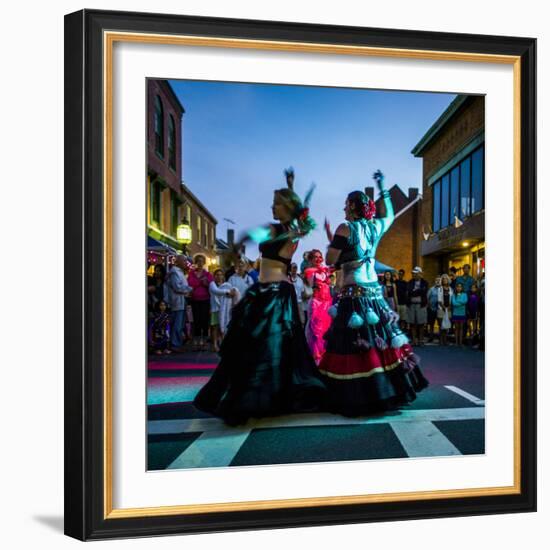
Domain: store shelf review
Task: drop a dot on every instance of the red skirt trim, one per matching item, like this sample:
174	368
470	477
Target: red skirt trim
366	363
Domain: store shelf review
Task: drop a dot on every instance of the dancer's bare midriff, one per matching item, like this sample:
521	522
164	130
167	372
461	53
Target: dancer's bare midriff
272	271
358	273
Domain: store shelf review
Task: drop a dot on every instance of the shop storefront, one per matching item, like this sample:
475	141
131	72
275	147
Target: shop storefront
455	247
159	253
453	205
474	256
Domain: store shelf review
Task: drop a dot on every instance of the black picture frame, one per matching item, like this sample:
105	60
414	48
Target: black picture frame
85	497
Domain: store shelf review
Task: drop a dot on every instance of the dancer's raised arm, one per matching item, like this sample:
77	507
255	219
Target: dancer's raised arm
383	224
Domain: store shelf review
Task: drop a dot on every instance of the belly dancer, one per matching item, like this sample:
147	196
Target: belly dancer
266	367
319	320
369	365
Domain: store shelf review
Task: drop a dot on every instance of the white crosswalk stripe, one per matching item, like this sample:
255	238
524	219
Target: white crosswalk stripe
212	448
466	395
302	420
423	439
219	444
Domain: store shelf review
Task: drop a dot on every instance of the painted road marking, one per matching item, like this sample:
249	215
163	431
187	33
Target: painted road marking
466	395
213	448
423	439
311	419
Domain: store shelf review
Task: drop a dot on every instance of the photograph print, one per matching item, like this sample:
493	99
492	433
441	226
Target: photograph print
315	274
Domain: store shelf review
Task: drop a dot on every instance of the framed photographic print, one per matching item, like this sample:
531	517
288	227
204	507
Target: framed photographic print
278	237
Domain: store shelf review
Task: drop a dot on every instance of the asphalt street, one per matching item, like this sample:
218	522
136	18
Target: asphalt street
446	419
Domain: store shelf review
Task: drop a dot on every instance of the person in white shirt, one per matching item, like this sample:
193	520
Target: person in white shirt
222	299
241	280
298	282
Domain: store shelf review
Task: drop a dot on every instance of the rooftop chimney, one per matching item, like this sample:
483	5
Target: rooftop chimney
230	237
413	193
369	191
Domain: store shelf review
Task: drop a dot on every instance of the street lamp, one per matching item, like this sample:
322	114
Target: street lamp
184	234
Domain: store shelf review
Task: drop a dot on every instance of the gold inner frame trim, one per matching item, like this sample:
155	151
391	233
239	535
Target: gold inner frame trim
109	39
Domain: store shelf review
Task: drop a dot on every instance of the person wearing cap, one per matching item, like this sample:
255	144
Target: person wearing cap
417	306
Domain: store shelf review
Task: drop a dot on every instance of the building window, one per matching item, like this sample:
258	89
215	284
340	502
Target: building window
173	212
460	191
155	202
445	201
171	142
465	191
455	194
477	180
437	206
159	126
199	230
188	213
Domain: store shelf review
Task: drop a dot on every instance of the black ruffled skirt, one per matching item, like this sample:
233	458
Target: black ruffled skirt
369	365
266	367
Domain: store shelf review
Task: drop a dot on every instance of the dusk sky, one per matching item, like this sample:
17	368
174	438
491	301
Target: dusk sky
238	139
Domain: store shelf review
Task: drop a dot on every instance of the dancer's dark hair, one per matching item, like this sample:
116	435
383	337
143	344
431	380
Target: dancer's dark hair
362	205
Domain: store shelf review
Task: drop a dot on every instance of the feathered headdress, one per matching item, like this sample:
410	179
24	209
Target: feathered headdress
303	210
302	222
289	175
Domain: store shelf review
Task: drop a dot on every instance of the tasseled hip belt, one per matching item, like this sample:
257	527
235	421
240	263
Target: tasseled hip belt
368	290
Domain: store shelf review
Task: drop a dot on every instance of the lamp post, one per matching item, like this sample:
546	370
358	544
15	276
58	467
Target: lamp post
184	234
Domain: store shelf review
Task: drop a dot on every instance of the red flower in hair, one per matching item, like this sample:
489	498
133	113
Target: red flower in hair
304	213
369	209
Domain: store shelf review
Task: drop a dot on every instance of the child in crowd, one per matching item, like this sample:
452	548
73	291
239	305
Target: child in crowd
188	327
305	262
222	297
473	313
240	280
444	296
390	290
159	330
459	301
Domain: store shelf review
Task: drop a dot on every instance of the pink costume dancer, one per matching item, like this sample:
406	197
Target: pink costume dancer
319	320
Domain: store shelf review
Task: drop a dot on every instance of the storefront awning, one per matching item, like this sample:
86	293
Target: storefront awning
158	246
380	268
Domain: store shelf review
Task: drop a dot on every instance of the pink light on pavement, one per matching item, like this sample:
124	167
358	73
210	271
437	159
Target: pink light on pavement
158	365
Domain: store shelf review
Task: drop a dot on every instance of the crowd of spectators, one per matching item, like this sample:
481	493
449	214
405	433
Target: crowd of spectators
448	310
190	307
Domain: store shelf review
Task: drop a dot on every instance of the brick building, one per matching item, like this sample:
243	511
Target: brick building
398	248
203	226
452	212
169	200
